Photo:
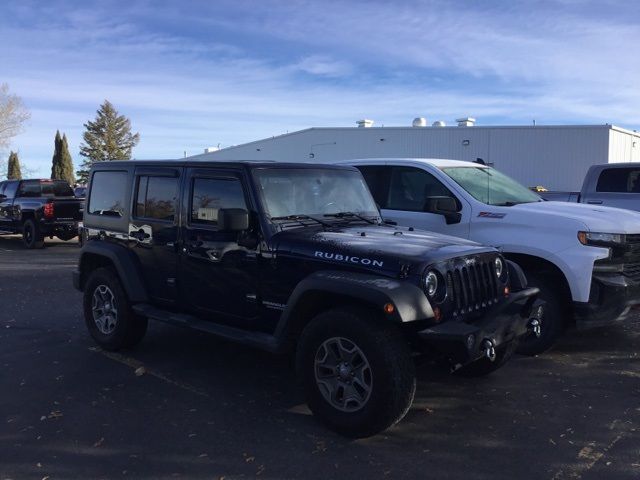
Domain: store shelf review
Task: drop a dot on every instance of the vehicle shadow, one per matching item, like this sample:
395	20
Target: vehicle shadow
14	243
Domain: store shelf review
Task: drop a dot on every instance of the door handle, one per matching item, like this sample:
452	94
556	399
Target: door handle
139	235
594	202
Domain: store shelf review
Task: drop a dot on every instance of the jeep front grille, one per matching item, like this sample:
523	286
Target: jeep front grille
632	270
474	286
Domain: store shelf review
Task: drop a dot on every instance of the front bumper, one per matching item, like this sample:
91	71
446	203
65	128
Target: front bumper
463	343
610	299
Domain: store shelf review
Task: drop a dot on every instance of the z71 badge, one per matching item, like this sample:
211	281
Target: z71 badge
491	215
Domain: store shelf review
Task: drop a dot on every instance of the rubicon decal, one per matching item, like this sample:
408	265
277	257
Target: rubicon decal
349	259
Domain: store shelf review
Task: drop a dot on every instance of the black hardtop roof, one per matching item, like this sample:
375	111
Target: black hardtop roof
249	164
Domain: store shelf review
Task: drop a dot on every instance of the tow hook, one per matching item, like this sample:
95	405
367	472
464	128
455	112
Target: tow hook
534	326
489	349
535	323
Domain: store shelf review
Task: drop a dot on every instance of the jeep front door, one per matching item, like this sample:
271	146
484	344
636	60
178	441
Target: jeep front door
217	275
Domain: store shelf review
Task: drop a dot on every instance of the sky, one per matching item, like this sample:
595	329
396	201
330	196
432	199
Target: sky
195	74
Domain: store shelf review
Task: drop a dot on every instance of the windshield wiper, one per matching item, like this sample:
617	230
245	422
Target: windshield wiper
350	215
302	217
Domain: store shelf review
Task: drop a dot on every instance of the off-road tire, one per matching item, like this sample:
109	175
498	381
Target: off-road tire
129	328
31	236
552	324
392	370
484	366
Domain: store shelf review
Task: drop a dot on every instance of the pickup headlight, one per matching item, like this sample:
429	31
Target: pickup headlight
601	239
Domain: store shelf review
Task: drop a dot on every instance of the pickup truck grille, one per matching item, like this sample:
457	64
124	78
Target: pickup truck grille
473	286
632	270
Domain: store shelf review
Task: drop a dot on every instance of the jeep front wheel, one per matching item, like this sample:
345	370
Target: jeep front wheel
107	312
358	374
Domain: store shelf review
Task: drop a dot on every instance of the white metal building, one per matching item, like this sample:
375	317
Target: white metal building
556	157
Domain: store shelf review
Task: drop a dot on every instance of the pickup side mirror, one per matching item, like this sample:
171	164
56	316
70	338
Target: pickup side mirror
233	219
445	206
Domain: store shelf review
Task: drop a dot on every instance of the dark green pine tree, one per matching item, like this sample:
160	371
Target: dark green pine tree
108	137
62	164
13	172
56	168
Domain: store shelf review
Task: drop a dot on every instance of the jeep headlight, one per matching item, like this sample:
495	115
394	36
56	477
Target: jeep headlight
499	267
601	239
431	283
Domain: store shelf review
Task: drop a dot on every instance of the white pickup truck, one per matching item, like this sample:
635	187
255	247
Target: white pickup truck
584	258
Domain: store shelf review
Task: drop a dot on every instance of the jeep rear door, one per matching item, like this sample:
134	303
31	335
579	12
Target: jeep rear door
218	278
154	228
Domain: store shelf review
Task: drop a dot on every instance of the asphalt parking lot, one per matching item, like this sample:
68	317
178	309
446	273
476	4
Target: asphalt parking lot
188	405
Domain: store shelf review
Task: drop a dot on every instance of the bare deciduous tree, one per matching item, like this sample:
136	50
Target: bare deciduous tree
13	114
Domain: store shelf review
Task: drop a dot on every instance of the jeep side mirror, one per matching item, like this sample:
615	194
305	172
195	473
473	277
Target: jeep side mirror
233	219
445	206
2	197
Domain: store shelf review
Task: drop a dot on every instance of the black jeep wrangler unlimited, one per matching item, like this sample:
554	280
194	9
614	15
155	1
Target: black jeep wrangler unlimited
295	258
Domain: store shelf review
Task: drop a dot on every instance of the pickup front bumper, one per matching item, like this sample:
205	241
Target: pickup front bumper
610	299
463	343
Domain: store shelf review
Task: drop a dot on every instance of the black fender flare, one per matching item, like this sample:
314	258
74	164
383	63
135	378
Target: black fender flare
125	263
409	301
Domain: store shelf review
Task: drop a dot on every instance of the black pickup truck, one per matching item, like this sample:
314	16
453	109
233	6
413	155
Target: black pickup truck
38	209
295	258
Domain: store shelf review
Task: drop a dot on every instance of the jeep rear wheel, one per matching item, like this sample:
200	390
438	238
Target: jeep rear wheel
107	312
31	236
358	374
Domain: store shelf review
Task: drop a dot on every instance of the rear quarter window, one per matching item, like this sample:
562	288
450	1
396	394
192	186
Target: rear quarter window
619	180
108	193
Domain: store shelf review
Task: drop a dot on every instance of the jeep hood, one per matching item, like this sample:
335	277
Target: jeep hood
373	247
594	218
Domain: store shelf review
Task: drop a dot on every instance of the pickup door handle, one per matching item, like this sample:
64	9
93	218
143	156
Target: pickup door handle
594	202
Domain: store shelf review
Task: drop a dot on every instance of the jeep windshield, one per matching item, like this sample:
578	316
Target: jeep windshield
490	186
316	194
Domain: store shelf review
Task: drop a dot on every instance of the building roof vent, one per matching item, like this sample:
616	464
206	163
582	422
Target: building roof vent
364	123
439	123
466	121
419	122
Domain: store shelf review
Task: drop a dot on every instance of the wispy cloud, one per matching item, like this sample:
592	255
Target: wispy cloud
192	76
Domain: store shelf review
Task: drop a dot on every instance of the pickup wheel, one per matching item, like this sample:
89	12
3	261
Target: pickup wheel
553	320
484	366
108	314
31	236
358	374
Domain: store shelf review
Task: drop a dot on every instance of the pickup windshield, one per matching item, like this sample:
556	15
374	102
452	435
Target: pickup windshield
314	192
490	186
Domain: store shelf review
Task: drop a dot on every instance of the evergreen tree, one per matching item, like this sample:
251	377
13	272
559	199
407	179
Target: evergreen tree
106	138
13	172
61	164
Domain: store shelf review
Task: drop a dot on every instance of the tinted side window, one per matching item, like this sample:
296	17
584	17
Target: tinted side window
377	178
30	189
2	186
108	193
410	188
619	180
10	189
210	195
156	197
